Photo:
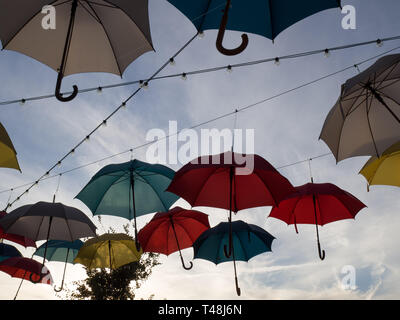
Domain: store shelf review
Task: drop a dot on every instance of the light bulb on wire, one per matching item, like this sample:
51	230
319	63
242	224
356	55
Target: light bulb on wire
327	53
277	61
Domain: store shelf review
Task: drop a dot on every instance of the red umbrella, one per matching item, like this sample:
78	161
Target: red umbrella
222	181
317	204
23	241
172	231
26	269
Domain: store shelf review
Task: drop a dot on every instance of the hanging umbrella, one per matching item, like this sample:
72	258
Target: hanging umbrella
319	204
129	190
262	17
63	251
27	269
365	121
221	181
8	155
172	231
23	241
248	241
108	251
48	221
385	169
7	251
90	36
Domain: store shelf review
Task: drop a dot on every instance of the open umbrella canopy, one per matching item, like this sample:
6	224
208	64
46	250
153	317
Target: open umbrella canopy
8	155
172	231
23	241
7	251
27	269
248	241
62	251
222	181
384	170
319	204
89	36
265	18
108	251
365	121
45	220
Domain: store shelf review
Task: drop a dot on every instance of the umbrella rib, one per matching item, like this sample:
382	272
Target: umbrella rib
95	17
388	85
23	26
241	244
363	93
388	74
369	124
143	33
159	196
108	37
267	187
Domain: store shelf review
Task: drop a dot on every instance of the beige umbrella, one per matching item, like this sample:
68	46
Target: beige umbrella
89	36
365	121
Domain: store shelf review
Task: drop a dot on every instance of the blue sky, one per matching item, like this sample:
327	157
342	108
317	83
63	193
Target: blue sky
286	131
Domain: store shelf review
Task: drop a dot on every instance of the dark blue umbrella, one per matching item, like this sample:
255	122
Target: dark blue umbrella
63	251
267	18
7	251
248	241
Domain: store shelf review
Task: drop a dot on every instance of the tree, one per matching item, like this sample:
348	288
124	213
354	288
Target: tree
103	284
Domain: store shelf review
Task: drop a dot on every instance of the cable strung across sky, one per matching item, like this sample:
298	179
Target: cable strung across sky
326	51
235	111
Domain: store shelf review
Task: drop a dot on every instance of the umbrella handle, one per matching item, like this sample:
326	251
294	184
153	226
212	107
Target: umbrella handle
226	252
187	268
238	291
138	247
321	252
58	94
33	281
221	33
61	288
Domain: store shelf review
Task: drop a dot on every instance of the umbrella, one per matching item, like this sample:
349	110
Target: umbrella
365	120
26	269
63	251
385	169
48	221
248	241
221	181
262	17
319	204
7	251
172	231
129	190
90	36
108	251
8	155
23	241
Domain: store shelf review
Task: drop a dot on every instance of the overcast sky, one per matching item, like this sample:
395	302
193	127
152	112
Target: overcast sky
286	131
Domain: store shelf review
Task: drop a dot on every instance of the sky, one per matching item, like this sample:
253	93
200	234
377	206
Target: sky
286	131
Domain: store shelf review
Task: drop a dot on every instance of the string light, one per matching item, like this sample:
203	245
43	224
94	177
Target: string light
201	34
184	76
172	61
327	53
22	102
277	61
379	42
229	69
99	90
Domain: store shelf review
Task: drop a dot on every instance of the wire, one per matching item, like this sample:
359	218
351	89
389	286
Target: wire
207	70
204	123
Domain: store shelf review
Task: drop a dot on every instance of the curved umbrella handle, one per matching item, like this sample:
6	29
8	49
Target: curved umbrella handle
321	252
61	288
34	281
58	94
238	291
226	252
187	268
221	33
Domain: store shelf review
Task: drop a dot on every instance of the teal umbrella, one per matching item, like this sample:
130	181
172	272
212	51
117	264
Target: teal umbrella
7	251
129	190
248	241
63	251
267	18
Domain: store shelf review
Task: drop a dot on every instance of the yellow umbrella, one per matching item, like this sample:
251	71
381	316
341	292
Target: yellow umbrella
384	170
108	251
8	155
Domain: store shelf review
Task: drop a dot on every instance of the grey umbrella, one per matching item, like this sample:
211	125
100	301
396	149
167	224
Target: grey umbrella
48	221
90	36
365	121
